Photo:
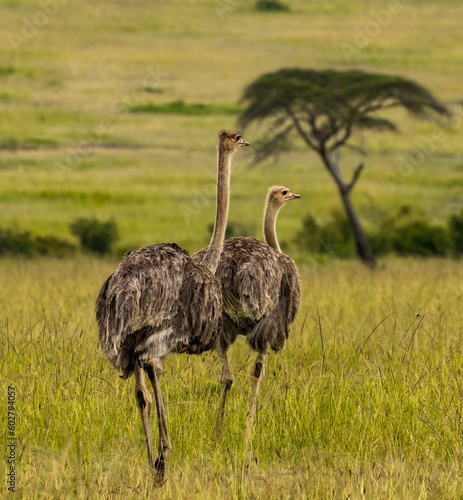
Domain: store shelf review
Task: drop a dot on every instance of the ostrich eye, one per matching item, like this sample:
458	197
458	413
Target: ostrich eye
284	193
238	138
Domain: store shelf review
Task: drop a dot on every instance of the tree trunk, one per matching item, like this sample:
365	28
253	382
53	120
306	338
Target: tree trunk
361	241
362	244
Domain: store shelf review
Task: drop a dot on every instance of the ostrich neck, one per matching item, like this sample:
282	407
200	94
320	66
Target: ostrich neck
212	257
270	219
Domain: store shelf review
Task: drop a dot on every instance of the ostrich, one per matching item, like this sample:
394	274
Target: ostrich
261	294
159	301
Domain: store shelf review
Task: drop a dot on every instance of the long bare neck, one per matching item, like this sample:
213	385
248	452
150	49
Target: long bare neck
212	257
270	219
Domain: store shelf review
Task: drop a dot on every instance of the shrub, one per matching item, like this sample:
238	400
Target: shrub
94	235
418	237
51	245
405	234
409	234
334	238
308	238
455	226
23	243
381	241
16	243
271	6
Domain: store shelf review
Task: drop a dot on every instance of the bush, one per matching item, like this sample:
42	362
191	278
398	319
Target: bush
334	238
51	245
308	238
409	234
455	225
405	234
23	243
380	242
16	243
271	5
94	235
418	237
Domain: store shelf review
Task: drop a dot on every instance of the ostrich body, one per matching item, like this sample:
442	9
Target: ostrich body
159	301
261	294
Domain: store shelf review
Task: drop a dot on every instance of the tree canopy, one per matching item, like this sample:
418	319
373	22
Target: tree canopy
327	106
324	107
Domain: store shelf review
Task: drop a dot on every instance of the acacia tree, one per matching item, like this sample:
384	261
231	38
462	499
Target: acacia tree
325	108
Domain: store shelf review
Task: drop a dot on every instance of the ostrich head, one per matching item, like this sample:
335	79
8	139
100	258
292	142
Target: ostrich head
231	141
279	195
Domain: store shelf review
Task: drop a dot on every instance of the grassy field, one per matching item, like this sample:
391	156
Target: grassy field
71	149
366	400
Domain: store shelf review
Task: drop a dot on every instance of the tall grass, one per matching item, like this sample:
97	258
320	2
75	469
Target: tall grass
366	400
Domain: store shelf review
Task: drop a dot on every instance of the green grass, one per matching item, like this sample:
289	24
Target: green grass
364	401
372	411
66	126
182	108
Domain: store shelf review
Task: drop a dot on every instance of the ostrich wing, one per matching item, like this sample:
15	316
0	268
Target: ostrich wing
272	330
201	312
290	289
249	274
157	301
261	291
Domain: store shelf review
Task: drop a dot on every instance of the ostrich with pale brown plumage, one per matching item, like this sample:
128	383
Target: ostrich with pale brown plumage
160	301
261	294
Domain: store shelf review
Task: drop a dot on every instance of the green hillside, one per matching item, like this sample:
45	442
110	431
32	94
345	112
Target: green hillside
70	148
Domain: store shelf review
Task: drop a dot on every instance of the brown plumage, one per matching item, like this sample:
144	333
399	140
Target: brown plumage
261	294
159	301
138	311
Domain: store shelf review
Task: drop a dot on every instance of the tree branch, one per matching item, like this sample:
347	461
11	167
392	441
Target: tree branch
344	137
355	178
356	148
267	150
328	127
379	105
301	131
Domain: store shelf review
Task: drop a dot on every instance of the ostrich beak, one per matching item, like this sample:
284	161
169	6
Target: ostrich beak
243	142
294	196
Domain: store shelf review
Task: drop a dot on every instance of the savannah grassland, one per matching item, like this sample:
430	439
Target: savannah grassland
366	400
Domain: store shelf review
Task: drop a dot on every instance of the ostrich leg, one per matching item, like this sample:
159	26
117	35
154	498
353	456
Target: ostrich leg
256	377
154	370
143	398
226	379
